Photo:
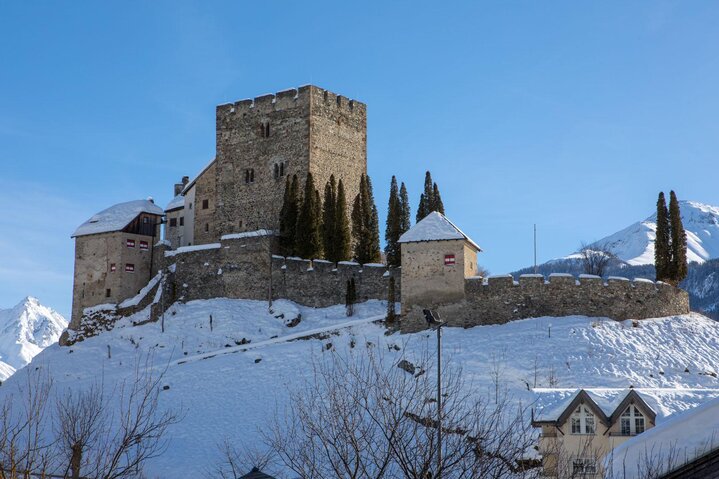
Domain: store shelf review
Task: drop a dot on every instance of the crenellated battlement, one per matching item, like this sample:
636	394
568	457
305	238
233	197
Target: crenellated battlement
303	96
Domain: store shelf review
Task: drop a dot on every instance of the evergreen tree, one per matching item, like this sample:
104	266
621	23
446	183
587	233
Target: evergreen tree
308	237
393	226
437	204
662	253
365	224
343	239
329	226
430	200
391	300
318	215
288	217
405	223
678	268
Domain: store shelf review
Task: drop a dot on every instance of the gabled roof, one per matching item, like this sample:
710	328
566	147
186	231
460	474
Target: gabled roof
116	217
194	180
256	474
608	405
435	227
178	202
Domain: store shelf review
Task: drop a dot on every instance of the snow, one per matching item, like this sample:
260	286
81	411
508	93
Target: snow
686	436
116	217
25	331
135	300
635	243
213	376
189	249
176	203
531	275
247	234
589	276
435	227
561	275
617	278
100	307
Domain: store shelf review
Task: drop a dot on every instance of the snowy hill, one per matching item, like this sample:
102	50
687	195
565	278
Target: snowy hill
635	244
25	331
232	379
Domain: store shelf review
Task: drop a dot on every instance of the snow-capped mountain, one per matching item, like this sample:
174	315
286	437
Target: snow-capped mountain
25	331
635	244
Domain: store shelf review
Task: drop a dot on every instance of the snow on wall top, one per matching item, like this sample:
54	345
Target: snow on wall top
435	227
115	218
684	436
176	203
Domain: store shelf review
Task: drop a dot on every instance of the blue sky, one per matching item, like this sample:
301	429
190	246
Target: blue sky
571	115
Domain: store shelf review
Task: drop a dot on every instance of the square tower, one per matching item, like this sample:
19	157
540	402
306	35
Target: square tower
260	142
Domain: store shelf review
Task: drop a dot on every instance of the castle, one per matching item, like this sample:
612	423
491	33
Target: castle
220	236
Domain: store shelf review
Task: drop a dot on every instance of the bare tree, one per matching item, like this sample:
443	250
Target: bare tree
362	416
595	258
236	461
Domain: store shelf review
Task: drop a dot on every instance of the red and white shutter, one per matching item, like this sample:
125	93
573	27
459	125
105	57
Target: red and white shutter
449	260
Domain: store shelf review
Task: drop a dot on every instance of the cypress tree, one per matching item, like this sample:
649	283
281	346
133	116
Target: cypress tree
308	237
343	238
391	300
393	226
318	216
329	226
365	224
662	254
437	204
422	208
678	268
288	217
405	223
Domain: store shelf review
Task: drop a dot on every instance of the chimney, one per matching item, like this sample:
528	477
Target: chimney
181	186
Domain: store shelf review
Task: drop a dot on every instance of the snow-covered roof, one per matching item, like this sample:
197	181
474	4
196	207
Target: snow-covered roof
680	439
435	227
115	218
176	203
194	180
553	404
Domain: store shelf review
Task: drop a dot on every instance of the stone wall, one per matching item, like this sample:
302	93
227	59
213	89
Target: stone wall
501	299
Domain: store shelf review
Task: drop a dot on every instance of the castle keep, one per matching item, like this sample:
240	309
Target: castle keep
220	236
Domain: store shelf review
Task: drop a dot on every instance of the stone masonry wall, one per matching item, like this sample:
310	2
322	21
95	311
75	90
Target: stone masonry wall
501	300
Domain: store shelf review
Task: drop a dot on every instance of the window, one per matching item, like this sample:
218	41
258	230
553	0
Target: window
131	243
190	205
182	221
108	293
584	466
265	129
583	421
145	220
240	223
173	222
449	260
207	227
249	176
279	170
144	245
205	204
129	268
113	267
631	422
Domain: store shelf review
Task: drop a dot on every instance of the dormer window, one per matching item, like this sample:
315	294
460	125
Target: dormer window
631	421
583	421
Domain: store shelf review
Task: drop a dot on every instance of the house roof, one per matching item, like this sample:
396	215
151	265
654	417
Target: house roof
435	227
608	405
256	474
682	438
194	180
117	217
178	202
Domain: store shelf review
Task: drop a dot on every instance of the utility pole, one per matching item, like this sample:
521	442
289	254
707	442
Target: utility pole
535	248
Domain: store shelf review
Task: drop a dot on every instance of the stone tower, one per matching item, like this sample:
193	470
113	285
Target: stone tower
262	141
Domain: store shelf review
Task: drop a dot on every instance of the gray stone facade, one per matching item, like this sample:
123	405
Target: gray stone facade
262	141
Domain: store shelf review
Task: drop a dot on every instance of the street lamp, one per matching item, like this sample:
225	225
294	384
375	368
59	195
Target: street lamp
434	322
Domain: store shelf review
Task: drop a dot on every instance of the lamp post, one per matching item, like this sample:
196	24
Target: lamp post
434	322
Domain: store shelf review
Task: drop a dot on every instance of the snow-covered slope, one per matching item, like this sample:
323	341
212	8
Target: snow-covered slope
25	331
233	392
635	244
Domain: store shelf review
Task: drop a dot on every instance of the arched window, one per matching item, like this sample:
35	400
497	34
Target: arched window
249	176
265	129
631	421
583	421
